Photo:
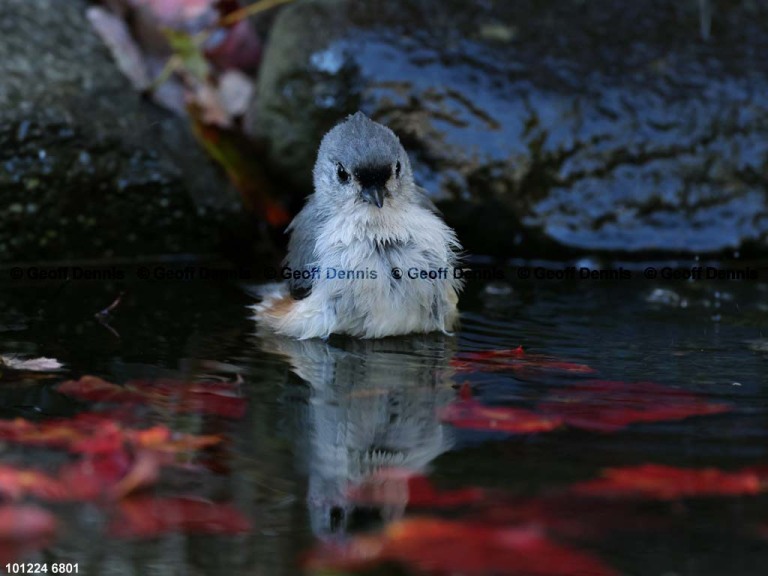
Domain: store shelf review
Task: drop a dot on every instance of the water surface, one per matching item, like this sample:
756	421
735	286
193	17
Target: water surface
324	415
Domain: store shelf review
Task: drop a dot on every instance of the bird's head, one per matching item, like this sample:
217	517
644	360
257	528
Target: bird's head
363	163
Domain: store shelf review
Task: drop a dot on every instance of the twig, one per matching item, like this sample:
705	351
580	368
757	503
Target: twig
103	316
173	64
246	11
108	310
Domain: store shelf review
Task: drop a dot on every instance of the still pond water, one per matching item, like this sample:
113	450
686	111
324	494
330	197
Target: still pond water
324	417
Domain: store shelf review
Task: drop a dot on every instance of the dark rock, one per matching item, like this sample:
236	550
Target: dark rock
544	127
88	169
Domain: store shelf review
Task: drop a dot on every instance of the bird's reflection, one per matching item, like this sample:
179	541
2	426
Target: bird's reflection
359	406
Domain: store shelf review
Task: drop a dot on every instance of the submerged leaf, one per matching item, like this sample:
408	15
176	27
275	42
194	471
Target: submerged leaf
103	476
110	476
162	439
58	433
214	398
93	389
607	406
466	412
148	517
515	360
177	396
395	486
440	547
659	482
17	483
89	433
23	530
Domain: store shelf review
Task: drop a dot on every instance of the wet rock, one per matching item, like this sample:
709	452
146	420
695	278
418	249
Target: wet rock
543	127
87	169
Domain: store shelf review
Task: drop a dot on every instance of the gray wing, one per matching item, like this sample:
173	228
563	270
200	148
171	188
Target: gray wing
422	198
301	248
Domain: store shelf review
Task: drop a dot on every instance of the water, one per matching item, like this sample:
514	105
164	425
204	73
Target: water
324	414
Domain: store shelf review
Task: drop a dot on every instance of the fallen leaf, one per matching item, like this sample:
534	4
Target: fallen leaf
110	476
93	477
89	433
144	472
466	412
12	368
515	360
657	482
148	517
55	433
575	519
161	439
93	389
235	154
180	397
41	364
24	530
397	486
214	398
442	547
18	483
607	406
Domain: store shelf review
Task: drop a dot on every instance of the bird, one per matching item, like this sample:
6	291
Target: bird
369	254
354	410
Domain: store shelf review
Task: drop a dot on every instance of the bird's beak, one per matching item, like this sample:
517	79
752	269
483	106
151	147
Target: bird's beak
374	195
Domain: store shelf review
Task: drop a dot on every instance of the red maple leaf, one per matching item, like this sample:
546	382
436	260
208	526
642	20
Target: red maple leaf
441	547
398	486
466	412
23	530
515	360
659	482
177	396
607	406
148	517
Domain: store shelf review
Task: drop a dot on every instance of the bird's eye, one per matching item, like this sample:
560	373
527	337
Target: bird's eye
397	169
342	174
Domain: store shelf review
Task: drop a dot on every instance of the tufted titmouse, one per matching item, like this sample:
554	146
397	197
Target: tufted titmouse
369	254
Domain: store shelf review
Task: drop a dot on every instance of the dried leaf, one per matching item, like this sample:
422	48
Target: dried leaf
235	154
41	364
